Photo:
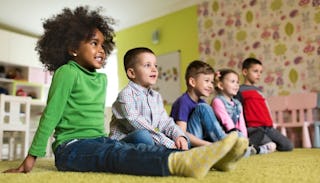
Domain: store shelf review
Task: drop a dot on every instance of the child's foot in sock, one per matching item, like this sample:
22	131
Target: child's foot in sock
228	162
250	151
197	161
267	148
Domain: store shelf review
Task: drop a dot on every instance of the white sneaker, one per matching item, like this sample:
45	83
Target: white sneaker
267	148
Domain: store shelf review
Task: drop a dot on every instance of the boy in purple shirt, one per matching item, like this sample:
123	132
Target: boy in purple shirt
191	112
195	116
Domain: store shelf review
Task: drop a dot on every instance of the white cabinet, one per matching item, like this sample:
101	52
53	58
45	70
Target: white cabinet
22	51
18	49
17	52
4	48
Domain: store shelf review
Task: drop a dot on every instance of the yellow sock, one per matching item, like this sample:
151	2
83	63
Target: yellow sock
198	161
228	162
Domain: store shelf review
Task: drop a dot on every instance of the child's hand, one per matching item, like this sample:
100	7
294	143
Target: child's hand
182	143
25	167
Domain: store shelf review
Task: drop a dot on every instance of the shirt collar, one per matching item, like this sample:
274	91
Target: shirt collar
200	99
92	73
140	89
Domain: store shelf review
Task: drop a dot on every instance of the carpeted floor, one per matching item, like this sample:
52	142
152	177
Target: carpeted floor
301	165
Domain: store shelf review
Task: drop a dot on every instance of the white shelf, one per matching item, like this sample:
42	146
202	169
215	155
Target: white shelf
5	80
31	80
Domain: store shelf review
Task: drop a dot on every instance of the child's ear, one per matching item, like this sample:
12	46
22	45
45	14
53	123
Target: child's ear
72	52
244	72
130	73
219	85
192	82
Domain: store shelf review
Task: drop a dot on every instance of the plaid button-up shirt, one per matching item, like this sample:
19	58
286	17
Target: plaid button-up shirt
140	108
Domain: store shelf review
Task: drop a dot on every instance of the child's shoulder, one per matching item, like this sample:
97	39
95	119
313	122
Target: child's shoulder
244	87
66	70
133	88
181	98
70	66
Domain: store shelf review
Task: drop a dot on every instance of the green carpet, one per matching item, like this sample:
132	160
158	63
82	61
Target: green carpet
301	165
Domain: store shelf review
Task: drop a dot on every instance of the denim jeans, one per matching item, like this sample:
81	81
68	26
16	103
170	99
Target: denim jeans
203	124
139	136
106	155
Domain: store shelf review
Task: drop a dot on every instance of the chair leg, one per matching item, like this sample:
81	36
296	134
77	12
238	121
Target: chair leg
283	131
11	148
26	144
316	134
306	142
1	144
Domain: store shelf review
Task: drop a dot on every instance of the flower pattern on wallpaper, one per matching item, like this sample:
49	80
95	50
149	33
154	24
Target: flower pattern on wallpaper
283	34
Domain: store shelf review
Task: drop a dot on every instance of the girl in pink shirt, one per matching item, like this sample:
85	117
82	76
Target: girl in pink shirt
228	109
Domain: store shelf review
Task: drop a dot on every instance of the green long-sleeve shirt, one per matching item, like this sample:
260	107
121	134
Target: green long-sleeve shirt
75	108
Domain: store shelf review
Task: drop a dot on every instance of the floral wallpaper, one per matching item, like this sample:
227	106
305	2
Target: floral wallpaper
283	34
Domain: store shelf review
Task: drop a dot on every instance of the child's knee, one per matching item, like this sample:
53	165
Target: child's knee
204	107
285	146
145	136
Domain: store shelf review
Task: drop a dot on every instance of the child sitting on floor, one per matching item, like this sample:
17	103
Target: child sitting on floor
229	110
138	113
191	112
256	111
75	44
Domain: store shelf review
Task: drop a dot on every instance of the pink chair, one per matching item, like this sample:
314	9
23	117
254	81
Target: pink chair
278	107
300	107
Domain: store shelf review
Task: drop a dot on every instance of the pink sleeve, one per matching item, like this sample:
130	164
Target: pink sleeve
242	124
222	114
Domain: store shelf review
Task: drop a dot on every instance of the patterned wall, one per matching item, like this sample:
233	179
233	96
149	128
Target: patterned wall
283	34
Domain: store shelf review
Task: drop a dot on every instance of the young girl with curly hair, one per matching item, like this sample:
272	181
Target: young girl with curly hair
75	44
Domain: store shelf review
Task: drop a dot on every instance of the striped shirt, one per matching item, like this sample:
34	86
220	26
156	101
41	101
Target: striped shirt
140	108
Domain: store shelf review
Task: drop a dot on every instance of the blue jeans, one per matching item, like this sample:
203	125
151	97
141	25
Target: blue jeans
106	155
139	136
203	124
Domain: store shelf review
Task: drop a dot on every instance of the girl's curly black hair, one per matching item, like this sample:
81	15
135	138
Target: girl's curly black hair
66	30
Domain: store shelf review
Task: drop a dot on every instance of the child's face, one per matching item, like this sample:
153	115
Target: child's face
253	74
229	86
203	84
91	54
144	72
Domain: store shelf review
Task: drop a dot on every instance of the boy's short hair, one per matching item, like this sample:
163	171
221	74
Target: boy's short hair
197	67
129	59
248	62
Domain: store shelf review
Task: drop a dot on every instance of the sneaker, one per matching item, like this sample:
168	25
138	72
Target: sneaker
267	148
253	150
250	151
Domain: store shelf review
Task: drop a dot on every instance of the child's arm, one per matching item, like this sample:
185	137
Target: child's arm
25	167
128	114
182	143
169	128
242	124
222	114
